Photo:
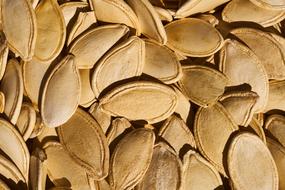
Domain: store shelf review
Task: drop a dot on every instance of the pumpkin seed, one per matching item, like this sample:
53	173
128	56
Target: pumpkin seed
155	101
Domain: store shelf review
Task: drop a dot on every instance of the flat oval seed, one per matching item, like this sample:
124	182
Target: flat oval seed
267	49
65	74
198	173
92	45
21	34
14	146
33	75
151	25
61	168
247	154
199	6
205	39
161	63
164	171
92	156
125	61
270	4
275	124
26	121
278	154
12	88
242	66
175	127
212	129
125	170
245	10
116	11
140	100
203	85
51	30
240	106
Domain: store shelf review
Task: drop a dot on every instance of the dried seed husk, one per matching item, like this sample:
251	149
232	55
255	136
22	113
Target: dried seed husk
51	31
33	75
245	10
2	102
64	74
37	173
101	39
183	105
3	61
270	4
12	88
21	34
26	121
140	100
276	96
164	14
69	9
240	106
247	154
119	125
13	145
62	169
203	85
151	25
164	171
257	128
213	127
278	154
11	172
92	156
116	11
125	170
267	49
87	96
191	7
205	39
198	173
84	21
124	61
242	66
101	117
161	63
175	127
275	124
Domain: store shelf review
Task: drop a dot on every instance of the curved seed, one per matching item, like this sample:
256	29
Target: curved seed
21	34
125	170
92	156
65	74
247	153
155	101
125	61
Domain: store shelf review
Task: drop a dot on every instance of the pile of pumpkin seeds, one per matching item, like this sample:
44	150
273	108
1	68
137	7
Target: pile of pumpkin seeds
142	95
